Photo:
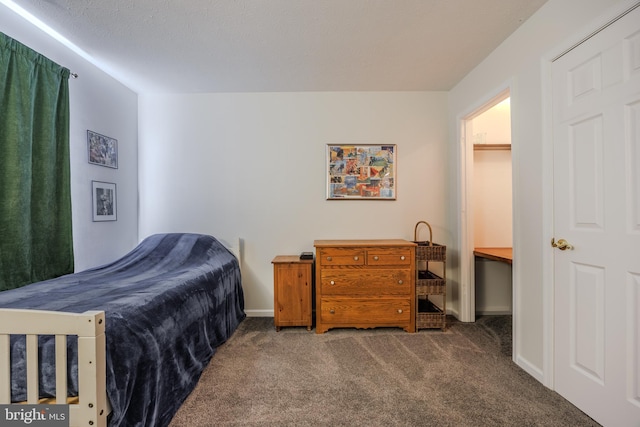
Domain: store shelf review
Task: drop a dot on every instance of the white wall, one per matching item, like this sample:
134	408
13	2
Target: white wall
520	63
99	103
492	208
492	199
253	166
492	179
494	125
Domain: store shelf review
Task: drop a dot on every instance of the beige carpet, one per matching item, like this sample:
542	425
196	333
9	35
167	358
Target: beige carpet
380	377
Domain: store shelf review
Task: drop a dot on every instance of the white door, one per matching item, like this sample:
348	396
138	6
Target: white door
596	137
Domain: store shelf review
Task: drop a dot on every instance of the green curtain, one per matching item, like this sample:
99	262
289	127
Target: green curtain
36	240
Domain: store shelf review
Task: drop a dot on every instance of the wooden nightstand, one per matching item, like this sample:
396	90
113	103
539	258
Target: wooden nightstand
292	291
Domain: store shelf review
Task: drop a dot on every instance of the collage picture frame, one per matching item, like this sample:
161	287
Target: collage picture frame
361	171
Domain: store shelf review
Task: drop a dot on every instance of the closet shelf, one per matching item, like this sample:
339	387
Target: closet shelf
505	147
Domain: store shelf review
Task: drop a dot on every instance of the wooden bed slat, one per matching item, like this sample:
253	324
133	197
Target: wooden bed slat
33	390
5	369
61	369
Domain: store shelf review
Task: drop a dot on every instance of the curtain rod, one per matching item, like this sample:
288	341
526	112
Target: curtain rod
73	75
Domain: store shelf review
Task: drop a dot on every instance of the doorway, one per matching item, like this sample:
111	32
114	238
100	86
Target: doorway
487	214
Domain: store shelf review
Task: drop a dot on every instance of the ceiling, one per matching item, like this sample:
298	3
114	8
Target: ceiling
202	46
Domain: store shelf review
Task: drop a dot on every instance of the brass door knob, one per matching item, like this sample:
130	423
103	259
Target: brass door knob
561	244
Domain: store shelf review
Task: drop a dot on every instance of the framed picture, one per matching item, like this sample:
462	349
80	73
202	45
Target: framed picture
103	150
363	171
104	200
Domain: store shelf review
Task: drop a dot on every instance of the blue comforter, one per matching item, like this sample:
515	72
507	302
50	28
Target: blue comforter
168	304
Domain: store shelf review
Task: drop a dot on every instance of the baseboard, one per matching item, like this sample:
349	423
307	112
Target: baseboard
493	312
269	313
530	369
259	313
493	309
453	313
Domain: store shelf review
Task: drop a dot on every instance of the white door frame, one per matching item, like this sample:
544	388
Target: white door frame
467	309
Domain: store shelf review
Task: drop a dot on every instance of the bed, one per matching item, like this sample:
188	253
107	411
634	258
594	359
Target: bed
122	344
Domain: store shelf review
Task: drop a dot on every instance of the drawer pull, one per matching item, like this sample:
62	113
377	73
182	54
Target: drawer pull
399	311
402	257
355	258
332	311
375	258
333	282
328	258
400	282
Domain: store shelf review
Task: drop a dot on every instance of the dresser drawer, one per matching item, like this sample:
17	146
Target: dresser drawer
356	311
366	282
341	256
392	256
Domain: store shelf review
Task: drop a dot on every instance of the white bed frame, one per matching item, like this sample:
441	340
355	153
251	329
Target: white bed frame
92	404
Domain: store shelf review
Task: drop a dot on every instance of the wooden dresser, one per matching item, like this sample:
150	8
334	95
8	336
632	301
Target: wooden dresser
365	284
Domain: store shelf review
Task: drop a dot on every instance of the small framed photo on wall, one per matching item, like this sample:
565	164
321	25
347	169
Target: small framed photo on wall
103	150
104	200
